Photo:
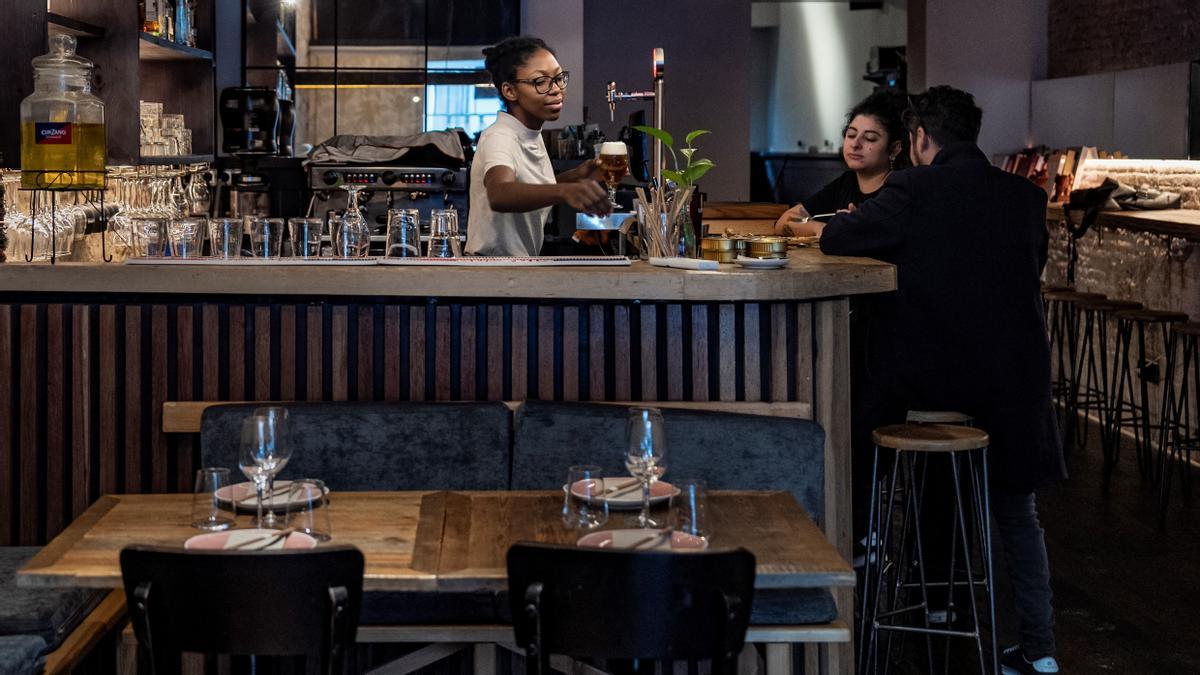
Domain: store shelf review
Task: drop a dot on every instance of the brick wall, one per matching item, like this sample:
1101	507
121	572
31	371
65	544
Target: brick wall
1095	36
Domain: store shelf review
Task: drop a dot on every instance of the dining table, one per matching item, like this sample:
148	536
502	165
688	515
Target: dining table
442	540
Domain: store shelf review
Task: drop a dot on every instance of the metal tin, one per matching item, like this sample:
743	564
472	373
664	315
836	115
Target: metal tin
767	247
717	244
719	256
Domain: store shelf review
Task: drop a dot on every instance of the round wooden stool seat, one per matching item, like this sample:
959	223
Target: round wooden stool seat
1073	296
938	417
929	437
1152	316
1109	305
1190	328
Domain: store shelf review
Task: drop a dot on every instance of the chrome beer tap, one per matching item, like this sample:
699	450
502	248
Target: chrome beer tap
657	96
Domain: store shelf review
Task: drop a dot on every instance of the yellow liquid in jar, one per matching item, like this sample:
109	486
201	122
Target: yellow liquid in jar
59	166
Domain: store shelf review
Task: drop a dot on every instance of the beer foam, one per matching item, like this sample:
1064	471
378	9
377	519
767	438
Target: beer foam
613	148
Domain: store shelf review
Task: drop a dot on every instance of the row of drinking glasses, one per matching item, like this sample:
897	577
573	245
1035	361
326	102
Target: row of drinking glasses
31	219
163	135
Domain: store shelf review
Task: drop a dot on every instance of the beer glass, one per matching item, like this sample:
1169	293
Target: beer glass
614	165
403	234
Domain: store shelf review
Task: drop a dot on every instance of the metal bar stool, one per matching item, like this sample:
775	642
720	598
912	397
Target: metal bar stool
1063	315
1128	411
895	591
939	417
1181	414
1092	391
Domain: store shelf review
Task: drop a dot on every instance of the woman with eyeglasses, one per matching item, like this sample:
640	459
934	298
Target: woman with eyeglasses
513	185
874	144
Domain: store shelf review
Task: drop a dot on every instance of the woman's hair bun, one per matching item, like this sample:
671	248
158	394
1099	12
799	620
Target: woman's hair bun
502	59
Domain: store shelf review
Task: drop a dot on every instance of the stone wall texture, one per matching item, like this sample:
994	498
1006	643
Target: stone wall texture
1099	36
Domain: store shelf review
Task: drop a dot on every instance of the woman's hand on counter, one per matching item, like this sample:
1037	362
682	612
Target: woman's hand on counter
789	224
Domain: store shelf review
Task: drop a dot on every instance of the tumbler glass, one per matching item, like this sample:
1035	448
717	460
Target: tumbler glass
443	233
150	237
225	235
266	237
186	236
585	504
403	233
308	508
306	236
689	512
209	510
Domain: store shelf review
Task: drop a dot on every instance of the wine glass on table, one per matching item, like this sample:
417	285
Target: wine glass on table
646	454
259	459
614	165
277	418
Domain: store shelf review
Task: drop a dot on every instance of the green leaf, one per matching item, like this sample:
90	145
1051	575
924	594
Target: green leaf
695	134
661	135
687	152
676	176
696	171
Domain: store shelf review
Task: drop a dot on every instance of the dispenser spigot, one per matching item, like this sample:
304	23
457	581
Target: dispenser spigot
611	95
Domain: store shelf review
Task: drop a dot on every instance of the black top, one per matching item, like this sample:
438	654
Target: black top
834	197
965	328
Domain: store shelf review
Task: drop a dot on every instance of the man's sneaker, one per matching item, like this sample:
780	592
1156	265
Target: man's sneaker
1013	662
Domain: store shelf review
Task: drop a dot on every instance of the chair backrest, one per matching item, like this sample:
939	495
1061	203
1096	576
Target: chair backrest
380	446
254	602
729	450
593	603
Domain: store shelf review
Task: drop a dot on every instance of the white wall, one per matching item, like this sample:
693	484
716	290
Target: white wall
994	50
560	24
820	58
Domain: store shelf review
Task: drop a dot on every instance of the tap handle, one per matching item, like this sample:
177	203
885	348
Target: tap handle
659	60
611	95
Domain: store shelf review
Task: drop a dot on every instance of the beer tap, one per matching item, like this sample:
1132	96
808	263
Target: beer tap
657	96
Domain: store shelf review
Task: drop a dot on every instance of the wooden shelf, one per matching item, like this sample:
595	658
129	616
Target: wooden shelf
151	48
176	160
65	24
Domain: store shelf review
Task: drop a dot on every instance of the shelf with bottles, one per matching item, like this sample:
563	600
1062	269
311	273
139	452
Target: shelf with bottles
155	48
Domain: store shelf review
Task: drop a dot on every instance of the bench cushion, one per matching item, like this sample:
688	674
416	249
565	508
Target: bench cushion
792	606
380	446
50	614
730	451
21	654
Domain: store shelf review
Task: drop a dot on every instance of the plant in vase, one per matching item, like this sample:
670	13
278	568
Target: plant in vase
681	202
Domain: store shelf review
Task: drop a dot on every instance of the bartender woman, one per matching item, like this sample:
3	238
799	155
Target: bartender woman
513	185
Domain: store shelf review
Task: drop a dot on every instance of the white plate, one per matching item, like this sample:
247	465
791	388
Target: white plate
643	540
253	540
625	493
761	263
247	499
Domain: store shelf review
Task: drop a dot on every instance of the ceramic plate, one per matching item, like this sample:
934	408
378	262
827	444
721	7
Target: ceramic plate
247	500
250	540
624	493
644	540
761	263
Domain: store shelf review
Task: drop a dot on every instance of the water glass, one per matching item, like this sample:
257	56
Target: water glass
266	237
209	512
308	508
150	237
585	504
225	235
646	454
403	233
186	235
690	508
306	236
443	234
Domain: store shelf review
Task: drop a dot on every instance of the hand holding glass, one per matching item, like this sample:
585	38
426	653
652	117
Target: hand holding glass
646	455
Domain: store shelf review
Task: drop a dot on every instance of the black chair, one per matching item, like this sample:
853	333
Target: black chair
253	603
626	605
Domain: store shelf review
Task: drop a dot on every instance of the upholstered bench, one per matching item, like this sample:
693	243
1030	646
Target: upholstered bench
35	621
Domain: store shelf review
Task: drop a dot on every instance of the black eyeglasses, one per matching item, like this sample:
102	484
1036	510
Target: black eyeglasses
542	84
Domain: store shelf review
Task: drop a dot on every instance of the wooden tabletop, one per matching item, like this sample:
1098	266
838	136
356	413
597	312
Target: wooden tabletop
809	275
441	540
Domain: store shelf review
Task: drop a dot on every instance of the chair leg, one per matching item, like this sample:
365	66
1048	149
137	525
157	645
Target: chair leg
779	659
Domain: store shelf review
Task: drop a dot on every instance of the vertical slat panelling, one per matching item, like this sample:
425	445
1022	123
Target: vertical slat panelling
81	407
287	353
314	348
416	353
750	353
466	359
727	337
108	399
391	353
185	361
804	364
570	358
545	342
56	442
596	352
700	349
621	357
237	353
9	505
262	353
210	356
674	352
133	398
649	340
366	352
495	353
28	467
520	353
156	444
441	381
339	348
779	373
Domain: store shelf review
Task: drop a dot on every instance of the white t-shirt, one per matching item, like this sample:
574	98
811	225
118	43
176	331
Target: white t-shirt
509	143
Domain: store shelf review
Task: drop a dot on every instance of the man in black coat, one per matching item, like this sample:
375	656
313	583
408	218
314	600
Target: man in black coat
964	331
